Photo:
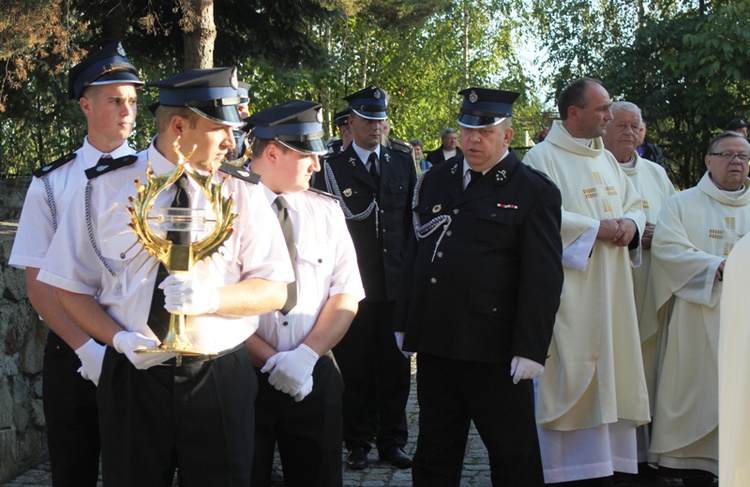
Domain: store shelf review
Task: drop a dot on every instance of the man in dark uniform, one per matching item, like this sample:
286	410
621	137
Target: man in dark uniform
341	119
104	85
375	185
482	283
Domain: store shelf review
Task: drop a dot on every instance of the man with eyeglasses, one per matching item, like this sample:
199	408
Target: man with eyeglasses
695	232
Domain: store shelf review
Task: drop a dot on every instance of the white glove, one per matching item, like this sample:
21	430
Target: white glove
400	343
127	342
304	390
290	370
91	355
185	295
523	368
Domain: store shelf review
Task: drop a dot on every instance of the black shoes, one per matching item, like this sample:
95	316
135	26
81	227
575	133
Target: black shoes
396	457
357	459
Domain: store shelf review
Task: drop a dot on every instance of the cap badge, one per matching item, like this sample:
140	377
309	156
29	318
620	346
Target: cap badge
437	208
376	94
347	192
120	50
473	97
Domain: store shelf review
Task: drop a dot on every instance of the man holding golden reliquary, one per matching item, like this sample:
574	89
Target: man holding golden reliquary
166	410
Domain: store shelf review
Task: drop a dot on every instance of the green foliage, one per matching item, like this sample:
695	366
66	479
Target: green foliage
689	73
421	51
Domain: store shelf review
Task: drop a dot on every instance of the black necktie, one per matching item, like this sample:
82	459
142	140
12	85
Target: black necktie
285	220
373	162
158	317
475	175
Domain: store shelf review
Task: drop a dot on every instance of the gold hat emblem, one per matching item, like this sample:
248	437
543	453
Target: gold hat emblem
347	192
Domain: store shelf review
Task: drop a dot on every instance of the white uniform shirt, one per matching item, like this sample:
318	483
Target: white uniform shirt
122	274
43	209
326	266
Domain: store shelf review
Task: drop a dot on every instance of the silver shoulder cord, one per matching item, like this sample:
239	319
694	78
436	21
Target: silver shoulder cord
424	231
92	239
333	186
50	201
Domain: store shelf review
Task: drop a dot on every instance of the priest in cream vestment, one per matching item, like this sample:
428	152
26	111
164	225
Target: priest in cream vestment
593	393
734	362
652	184
694	234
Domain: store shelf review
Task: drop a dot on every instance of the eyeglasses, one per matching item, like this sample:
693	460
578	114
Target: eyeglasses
727	156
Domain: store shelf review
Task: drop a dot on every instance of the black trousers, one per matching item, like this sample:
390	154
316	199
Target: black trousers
308	432
376	380
451	393
197	418
71	415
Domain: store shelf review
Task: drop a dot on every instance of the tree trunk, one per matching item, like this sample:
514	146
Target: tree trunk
199	33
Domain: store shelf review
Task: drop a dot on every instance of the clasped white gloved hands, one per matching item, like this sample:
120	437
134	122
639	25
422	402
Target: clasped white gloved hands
400	343
186	295
91	355
523	368
127	342
291	372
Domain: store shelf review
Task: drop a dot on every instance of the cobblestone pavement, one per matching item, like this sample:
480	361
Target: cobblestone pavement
475	473
476	467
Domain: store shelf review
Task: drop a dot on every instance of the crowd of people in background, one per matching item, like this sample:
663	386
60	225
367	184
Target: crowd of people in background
568	303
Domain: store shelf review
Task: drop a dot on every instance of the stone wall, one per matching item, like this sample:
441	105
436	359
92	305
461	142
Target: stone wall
22	337
12	193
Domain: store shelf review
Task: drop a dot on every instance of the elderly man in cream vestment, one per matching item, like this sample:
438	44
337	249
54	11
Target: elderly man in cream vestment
654	187
694	234
593	393
734	362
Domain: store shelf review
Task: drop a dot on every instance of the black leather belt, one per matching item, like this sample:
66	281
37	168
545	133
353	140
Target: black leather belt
196	359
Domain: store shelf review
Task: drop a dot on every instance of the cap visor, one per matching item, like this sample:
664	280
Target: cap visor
371	115
478	121
314	146
226	115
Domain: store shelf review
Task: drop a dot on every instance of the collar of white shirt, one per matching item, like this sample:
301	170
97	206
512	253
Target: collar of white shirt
364	154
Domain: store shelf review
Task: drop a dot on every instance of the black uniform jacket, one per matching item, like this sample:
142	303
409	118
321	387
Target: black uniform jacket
380	238
490	288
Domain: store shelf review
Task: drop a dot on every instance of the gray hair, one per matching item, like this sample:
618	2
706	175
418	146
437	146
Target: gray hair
626	106
416	141
715	141
447	131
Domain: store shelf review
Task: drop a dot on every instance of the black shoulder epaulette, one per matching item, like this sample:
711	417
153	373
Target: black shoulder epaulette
400	145
48	168
324	193
335	146
108	165
239	172
543	174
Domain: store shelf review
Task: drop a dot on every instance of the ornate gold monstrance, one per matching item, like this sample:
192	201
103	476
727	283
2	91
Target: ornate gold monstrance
179	258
